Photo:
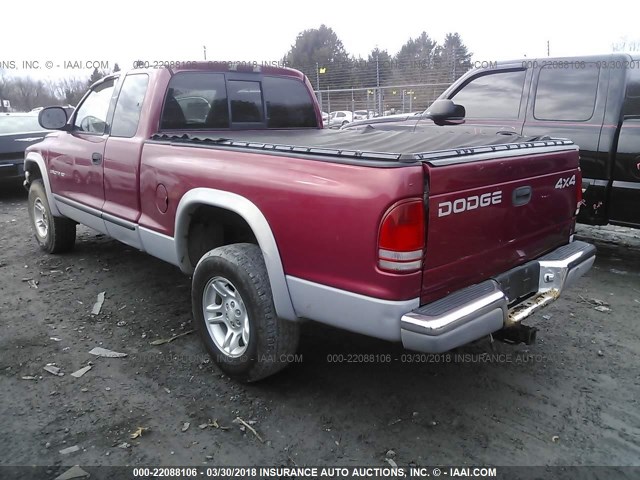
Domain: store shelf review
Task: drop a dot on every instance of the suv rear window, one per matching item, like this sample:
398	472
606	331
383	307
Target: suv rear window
197	101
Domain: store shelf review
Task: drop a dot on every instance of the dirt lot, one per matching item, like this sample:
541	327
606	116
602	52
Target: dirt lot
571	399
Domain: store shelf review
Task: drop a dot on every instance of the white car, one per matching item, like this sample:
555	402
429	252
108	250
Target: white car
363	114
339	118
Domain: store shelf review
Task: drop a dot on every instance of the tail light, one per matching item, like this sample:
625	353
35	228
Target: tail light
578	190
401	239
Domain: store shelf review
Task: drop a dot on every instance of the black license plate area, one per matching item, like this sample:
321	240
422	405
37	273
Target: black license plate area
520	282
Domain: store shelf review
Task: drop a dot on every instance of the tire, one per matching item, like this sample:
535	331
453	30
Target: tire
53	234
344	123
241	331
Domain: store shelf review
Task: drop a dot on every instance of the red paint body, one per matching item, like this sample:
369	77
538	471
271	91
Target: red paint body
326	216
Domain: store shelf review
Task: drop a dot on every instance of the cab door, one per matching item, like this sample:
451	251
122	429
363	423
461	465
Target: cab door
495	101
76	168
568	100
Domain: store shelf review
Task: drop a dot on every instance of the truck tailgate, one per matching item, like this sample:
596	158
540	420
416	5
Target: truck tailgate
490	212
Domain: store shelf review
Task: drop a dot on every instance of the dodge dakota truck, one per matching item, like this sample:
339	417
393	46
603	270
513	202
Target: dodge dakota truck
592	100
226	172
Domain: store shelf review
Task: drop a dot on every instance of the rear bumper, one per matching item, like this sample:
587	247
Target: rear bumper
481	309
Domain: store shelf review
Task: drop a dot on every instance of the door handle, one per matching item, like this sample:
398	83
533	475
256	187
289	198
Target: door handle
521	196
96	158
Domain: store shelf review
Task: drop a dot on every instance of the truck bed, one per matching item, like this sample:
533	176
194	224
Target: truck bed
367	144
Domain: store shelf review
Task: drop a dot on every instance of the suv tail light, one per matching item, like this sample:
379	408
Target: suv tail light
401	239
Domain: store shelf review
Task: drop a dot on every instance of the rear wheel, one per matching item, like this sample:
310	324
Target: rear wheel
235	316
53	234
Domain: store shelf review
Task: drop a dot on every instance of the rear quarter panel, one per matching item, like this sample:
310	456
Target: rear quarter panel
324	216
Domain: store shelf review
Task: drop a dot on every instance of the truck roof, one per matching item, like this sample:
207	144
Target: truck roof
215	66
221	66
584	58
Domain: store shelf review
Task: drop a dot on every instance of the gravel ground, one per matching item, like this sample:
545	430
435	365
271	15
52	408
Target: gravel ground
571	399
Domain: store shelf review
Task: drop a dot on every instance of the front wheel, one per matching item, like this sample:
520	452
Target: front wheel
235	316
53	234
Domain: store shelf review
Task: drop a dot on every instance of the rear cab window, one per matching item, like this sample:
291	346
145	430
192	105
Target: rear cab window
202	100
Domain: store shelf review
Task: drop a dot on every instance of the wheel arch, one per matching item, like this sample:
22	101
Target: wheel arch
35	167
252	215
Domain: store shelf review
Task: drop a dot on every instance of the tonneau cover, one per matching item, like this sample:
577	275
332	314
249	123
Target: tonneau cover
366	142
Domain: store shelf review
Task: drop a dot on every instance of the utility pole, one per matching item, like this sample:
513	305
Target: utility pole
204	48
454	64
548	49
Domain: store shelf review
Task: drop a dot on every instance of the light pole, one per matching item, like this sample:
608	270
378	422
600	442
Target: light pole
378	84
318	85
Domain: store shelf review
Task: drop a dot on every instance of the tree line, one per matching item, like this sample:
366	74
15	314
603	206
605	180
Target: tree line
321	55
26	93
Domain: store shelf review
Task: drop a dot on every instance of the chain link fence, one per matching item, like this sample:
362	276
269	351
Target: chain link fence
376	101
381	87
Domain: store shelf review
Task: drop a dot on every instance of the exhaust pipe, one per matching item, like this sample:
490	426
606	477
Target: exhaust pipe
516	334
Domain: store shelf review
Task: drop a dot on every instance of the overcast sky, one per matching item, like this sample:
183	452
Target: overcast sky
122	31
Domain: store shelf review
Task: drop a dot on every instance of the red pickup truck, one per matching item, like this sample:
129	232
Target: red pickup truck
225	171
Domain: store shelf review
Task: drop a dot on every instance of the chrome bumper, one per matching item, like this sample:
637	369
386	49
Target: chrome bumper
481	309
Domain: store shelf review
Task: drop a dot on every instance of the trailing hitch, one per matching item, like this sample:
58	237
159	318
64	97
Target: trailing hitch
518	333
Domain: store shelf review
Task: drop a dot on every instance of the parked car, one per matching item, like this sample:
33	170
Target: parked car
592	100
325	117
339	118
362	115
17	132
279	220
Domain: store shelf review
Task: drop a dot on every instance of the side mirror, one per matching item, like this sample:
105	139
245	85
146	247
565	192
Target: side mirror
445	112
53	118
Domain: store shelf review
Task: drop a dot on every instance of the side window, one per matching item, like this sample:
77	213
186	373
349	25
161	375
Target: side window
494	95
127	113
632	96
246	101
91	116
195	101
566	94
288	103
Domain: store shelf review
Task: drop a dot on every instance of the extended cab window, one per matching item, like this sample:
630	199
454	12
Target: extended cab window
566	94
289	104
127	113
91	115
494	95
196	101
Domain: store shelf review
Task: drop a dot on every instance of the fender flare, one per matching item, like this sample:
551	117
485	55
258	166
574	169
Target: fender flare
36	158
261	229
